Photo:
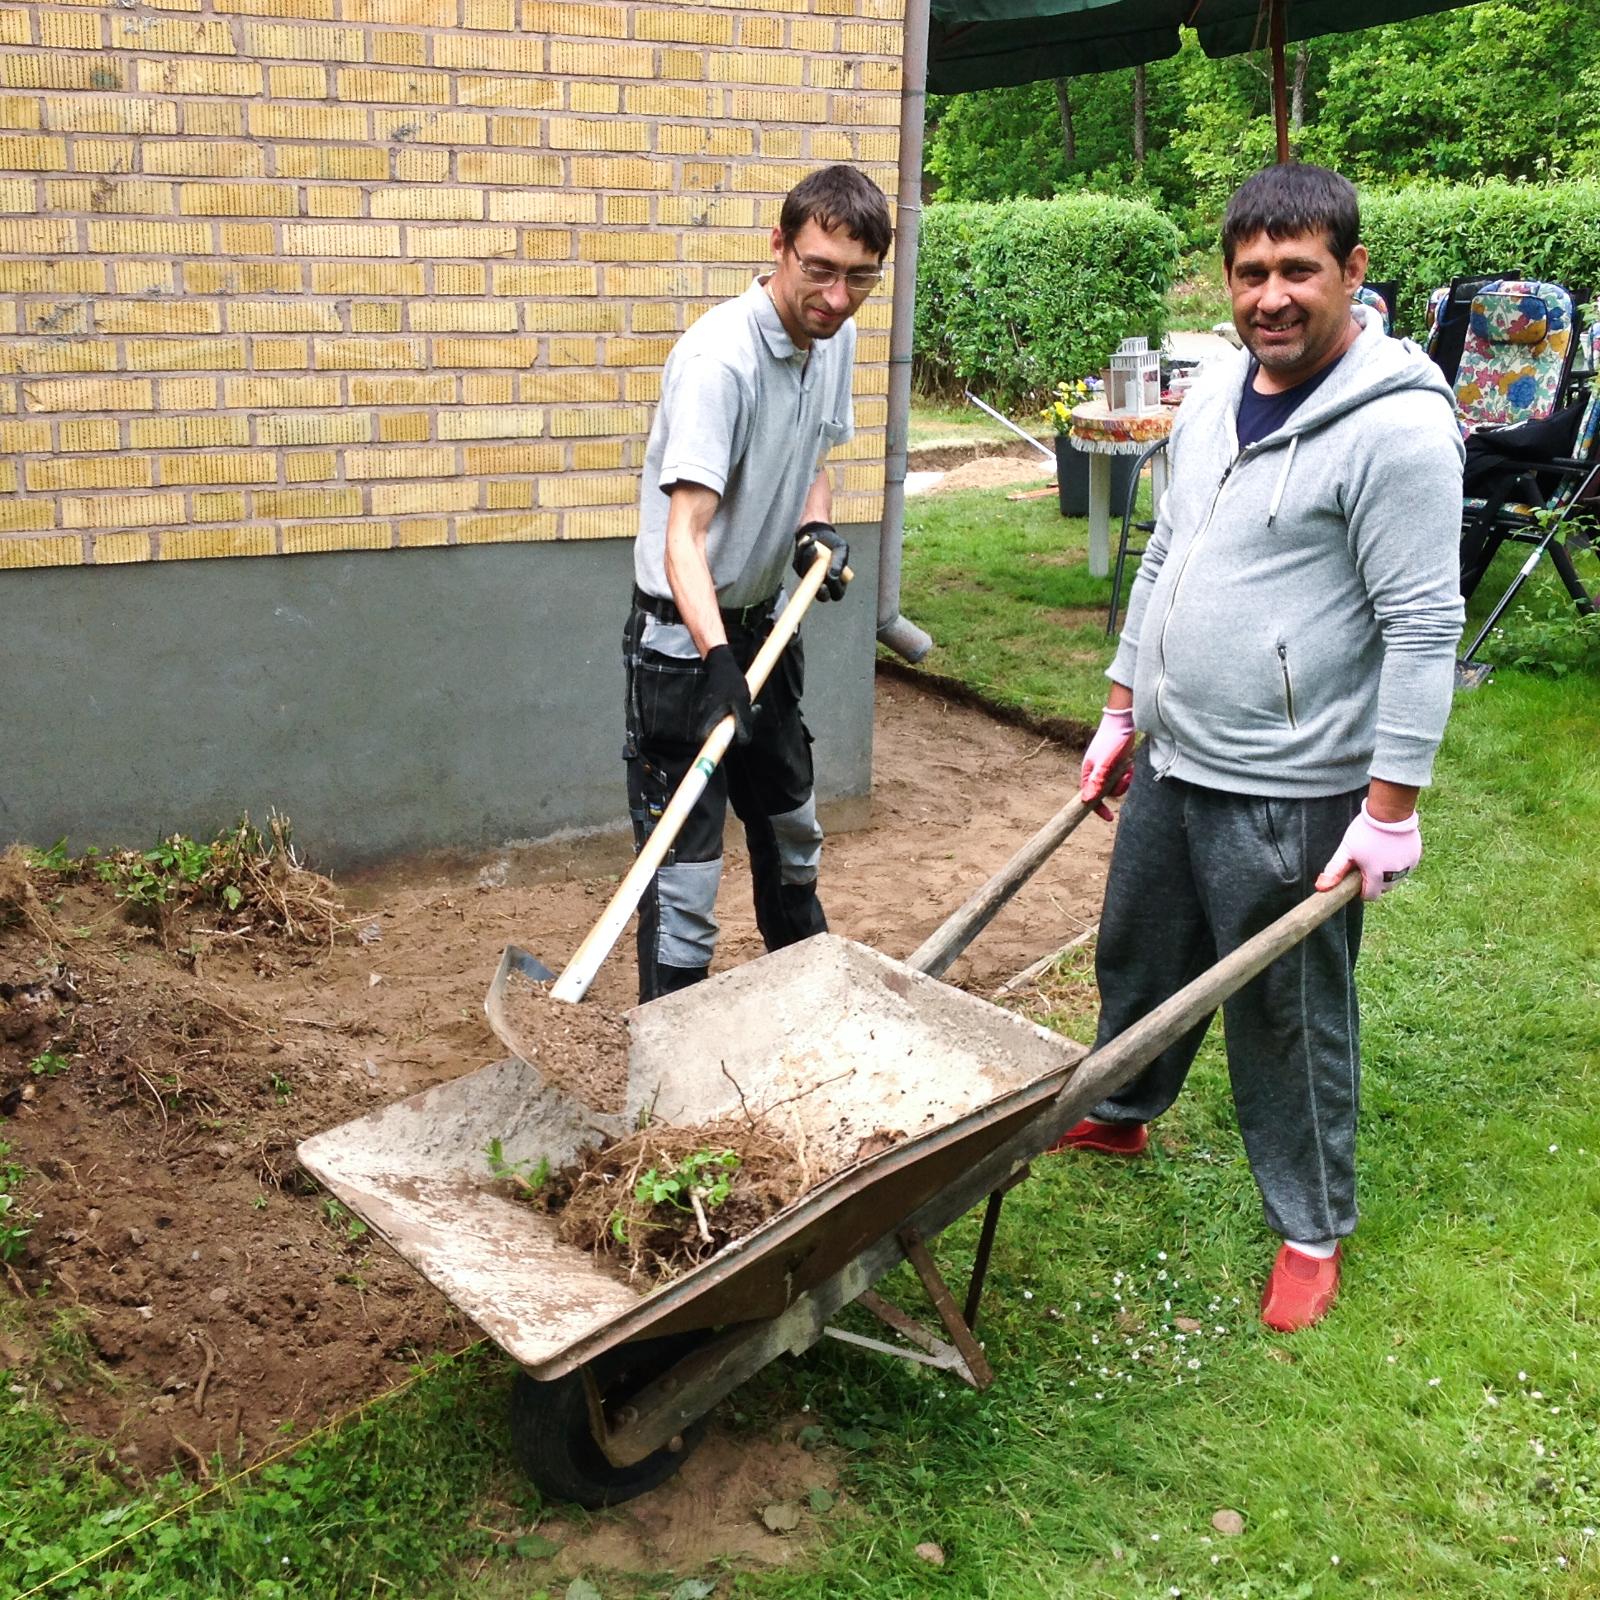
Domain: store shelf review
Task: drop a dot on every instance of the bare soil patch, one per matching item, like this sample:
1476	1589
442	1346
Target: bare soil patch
183	1288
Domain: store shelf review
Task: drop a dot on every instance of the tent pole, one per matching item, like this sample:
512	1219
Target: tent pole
894	630
1280	88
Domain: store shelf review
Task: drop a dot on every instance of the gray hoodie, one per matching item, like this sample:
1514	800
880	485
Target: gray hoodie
1292	628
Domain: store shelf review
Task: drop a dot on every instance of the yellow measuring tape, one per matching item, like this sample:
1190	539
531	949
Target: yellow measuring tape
247	1472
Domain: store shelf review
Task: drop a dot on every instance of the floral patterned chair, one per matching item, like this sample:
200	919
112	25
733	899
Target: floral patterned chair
1369	297
1517	353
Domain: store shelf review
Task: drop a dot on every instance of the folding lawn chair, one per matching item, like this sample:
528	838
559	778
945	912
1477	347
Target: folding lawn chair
1156	452
1378	297
1449	310
1516	353
1549	503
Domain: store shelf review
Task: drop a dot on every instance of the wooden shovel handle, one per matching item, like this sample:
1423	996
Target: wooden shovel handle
586	960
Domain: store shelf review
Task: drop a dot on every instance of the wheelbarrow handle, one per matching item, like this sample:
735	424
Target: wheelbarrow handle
586	960
940	949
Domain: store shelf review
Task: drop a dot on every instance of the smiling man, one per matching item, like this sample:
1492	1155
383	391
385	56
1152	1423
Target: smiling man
1289	654
735	492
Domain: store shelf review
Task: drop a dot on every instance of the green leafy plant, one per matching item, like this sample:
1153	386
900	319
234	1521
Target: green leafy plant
14	1229
49	1065
55	859
706	1176
528	1177
339	1219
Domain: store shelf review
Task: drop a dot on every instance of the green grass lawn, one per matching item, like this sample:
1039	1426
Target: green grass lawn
1436	1437
935	422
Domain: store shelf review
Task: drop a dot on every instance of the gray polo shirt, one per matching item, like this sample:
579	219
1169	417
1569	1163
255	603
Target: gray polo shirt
746	413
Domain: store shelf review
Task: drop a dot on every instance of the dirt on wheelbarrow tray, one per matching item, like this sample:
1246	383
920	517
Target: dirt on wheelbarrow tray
181	1287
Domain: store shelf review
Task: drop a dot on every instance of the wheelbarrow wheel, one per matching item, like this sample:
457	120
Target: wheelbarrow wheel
555	1445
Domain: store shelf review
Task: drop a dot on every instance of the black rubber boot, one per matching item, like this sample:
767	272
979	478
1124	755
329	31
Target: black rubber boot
656	980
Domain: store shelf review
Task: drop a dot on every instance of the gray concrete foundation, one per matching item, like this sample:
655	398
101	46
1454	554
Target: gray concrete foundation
416	700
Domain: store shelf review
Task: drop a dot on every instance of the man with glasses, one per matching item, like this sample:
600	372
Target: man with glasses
734	493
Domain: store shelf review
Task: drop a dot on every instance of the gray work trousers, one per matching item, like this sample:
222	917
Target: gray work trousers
1194	873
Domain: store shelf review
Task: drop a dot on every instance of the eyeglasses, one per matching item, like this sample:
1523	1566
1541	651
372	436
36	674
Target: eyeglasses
860	279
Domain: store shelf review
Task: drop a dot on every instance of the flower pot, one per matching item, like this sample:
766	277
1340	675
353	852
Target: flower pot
1072	480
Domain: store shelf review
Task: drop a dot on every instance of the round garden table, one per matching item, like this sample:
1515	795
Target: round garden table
1101	435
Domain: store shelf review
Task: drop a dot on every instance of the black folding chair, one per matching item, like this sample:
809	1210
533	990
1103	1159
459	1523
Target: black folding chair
1128	526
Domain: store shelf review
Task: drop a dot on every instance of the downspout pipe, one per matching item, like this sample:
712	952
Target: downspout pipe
894	630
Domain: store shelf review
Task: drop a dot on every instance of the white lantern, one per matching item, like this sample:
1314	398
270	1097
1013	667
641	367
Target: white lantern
1135	379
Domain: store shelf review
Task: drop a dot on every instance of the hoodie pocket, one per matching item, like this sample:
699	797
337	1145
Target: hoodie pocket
1288	683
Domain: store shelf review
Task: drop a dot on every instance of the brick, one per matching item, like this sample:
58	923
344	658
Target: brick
308	503
598	420
569	133
459	277
512	527
600	99
655	319
509	494
485	352
120	549
879	147
14	28
628	246
328	200
33	154
309	466
279	354
186	394
435	462
104	155
367	355
366	277
309	10
183	36
397	49
461	241
96	394
814	35
397	499
228	507
332	123
688	25
301	429
23	516
826	144
708	246
226	78
776	106
487	52
515	94
488	388
286	40
433	389
120	510
88	472
781	143
696	141
714	211
258	466
687	64
120	115
185	355
621	523
198	544
420	166
155	316
831	73
188	433
665	100
678	282
869	39
595	454
586	22
375	317
569	489
238	277
18	437
745	67
637	352
406	13
42	70
601	60
761	33
600	172
470	316
298	83
524	132
347	162
428	204
540	244
211	119
507	166
16	111
237	200
394	88
90	433
335	239
283	316
19	195
17	553
474	424
150	238
405	427
885	75
492	460
421	531
432	127
128	195
271	394
865	110
629	209
557	316
202	159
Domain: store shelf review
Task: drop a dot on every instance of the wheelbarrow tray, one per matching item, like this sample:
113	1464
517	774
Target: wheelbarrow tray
831	1040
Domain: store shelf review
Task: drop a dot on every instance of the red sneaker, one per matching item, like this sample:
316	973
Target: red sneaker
1299	1291
1109	1138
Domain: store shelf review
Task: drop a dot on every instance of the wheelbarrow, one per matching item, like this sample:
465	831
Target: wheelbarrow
618	1377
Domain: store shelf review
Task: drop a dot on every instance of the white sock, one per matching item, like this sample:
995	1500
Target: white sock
1322	1250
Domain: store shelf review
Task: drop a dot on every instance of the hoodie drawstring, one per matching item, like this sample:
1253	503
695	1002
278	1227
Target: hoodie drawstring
1283	478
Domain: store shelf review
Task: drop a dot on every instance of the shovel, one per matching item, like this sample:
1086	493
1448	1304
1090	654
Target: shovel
586	960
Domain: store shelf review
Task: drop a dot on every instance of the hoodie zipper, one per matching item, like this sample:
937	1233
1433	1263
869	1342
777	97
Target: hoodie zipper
1288	683
1172	604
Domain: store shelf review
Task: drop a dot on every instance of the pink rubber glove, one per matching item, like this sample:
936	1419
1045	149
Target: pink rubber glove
1384	851
1113	739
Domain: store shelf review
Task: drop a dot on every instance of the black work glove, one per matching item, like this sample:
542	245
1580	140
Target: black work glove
725	690
805	552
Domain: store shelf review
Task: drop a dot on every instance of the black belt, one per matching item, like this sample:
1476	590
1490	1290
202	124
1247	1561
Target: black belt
737	617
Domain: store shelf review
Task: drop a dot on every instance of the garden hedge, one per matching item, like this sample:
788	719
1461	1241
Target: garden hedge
1015	296
1426	235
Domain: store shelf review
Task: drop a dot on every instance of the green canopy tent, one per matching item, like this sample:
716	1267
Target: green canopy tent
986	44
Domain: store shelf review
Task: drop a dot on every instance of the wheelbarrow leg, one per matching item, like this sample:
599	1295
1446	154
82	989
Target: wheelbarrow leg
980	1264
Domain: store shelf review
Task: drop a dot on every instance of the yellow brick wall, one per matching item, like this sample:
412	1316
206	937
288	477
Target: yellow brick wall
290	275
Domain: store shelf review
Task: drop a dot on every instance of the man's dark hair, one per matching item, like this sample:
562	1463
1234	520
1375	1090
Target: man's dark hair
1286	201
839	197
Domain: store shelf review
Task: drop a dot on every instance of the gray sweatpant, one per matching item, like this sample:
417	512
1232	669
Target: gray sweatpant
1194	873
